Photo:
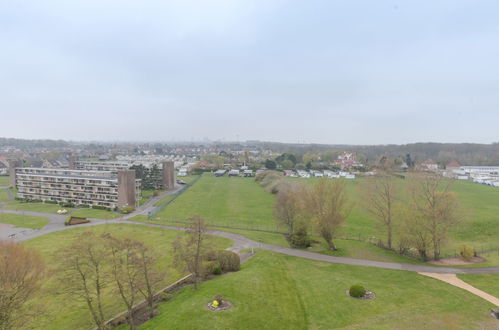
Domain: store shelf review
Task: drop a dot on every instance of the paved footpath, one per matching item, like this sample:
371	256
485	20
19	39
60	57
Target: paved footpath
452	279
241	242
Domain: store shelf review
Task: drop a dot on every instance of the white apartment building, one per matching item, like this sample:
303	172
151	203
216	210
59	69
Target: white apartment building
94	188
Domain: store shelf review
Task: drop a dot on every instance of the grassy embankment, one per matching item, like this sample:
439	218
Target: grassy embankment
273	291
23	221
242	203
61	312
4	180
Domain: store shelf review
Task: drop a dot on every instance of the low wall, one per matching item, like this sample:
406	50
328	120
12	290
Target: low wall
121	317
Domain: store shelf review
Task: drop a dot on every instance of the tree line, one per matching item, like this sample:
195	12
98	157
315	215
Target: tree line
417	217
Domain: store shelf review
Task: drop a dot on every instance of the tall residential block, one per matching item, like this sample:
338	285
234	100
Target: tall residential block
13	164
168	175
126	188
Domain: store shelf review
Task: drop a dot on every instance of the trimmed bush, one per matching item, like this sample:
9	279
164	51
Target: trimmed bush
51	202
217	270
466	252
227	260
357	291
98	207
299	239
210	267
127	209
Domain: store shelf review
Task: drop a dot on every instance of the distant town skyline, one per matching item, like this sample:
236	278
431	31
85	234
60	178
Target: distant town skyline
326	72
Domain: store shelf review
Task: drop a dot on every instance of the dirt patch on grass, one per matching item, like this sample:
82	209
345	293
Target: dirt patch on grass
4	226
457	261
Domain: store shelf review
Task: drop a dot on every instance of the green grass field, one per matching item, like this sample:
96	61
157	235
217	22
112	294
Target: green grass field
4	197
242	203
62	312
485	282
223	201
146	195
4	180
24	221
34	207
165	200
273	291
94	213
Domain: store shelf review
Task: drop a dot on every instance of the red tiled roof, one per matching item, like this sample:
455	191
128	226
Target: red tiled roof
453	164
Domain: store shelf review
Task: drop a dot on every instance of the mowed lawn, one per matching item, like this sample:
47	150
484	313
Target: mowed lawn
34	207
274	291
4	180
24	221
62	312
94	213
4	197
224	201
485	282
479	210
241	202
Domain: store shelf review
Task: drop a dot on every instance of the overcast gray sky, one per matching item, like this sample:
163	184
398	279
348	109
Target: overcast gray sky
358	72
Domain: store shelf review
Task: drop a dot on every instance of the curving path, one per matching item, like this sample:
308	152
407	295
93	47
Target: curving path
241	242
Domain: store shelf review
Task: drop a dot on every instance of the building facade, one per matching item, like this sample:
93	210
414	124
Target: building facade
94	188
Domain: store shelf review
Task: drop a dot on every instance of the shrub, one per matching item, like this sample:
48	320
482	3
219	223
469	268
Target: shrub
218	298
466	252
357	291
210	267
85	206
164	296
299	239
99	207
51	202
227	260
217	270
67	221
67	204
127	209
155	193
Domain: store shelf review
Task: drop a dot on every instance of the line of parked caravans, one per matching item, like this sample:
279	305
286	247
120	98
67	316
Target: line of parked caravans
234	172
487	175
245	172
319	174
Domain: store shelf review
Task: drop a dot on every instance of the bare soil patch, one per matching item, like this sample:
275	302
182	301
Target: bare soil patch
457	261
4	226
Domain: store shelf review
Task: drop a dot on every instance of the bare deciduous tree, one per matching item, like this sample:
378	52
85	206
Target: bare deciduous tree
189	249
436	207
83	274
148	261
380	200
326	205
21	271
287	206
126	271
